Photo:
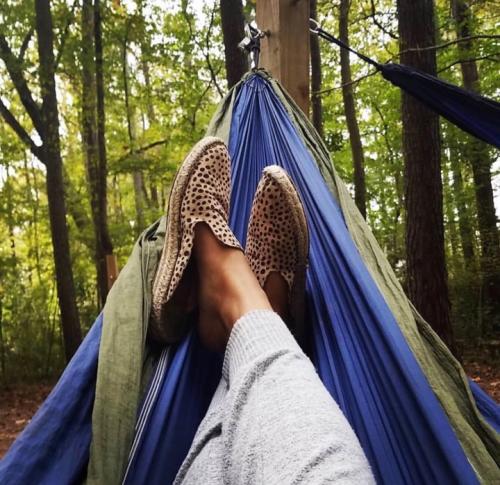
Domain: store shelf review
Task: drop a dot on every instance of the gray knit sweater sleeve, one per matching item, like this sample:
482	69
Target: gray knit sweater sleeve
271	420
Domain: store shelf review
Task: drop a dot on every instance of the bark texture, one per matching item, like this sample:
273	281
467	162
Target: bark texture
233	31
350	111
89	138
137	178
105	238
477	153
426	267
316	75
463	210
51	157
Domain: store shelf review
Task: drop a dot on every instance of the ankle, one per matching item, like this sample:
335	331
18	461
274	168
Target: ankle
228	289
240	297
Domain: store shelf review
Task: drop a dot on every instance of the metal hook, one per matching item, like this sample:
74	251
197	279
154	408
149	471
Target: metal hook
314	26
251	43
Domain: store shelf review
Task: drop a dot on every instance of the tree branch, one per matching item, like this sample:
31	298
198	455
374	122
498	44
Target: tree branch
491	57
25	44
451	42
373	16
64	35
354	81
15	71
207	53
152	145
143	149
198	104
23	135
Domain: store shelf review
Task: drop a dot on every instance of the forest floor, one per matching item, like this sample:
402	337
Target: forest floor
19	403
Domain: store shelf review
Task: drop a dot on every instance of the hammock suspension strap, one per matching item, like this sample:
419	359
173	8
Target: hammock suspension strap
315	28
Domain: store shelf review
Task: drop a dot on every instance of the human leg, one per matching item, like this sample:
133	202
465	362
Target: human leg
272	420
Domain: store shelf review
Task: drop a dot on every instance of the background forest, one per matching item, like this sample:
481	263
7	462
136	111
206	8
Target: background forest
136	83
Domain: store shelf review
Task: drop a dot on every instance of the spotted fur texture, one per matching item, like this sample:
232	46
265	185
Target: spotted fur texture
200	193
277	238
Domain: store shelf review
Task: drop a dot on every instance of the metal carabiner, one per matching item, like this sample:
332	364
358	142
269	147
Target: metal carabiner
314	26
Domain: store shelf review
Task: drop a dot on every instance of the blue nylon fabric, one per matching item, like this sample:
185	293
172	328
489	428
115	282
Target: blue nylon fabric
359	350
475	114
487	406
54	447
186	390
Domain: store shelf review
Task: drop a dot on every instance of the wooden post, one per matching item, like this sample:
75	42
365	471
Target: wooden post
285	50
112	269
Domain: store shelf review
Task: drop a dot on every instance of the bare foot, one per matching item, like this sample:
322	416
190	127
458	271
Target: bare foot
276	289
227	288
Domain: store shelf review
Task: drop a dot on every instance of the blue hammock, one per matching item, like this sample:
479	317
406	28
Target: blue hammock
478	115
357	347
475	114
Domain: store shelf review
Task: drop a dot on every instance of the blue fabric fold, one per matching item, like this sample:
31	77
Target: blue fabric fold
487	406
54	447
359	350
185	390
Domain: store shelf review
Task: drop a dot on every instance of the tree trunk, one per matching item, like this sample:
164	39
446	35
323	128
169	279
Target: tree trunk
150	109
51	157
350	111
426	267
10	216
145	43
233	31
449	211
89	137
477	153
137	178
105	238
464	224
2	346
316	104
35	205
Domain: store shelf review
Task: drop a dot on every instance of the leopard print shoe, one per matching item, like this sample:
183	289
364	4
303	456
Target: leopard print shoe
278	241
200	193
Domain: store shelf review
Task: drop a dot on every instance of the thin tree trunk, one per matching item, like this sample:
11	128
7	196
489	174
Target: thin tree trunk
150	109
29	199
449	206
233	31
2	345
477	153
35	205
145	43
397	182
105	238
316	104
51	156
426	267
350	111
137	178
10	216
464	224
89	137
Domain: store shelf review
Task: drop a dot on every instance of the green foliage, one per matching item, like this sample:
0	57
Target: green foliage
175	71
373	31
180	48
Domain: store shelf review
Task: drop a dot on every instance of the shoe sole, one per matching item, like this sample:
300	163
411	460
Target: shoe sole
173	237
